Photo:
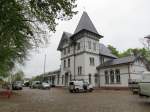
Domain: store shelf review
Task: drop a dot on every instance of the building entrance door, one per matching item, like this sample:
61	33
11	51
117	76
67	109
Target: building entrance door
97	80
66	78
53	80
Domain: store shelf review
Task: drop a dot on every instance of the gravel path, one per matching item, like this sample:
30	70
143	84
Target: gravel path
60	100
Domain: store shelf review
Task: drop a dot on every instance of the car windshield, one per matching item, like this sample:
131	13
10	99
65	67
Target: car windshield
18	82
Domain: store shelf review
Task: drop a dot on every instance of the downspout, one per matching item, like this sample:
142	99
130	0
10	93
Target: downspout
74	46
99	78
129	70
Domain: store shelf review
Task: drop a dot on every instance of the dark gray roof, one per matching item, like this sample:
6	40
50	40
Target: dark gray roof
148	36
86	24
105	51
118	61
65	36
52	72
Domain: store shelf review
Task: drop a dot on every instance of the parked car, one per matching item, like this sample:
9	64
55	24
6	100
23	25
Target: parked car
35	84
80	86
26	84
134	85
44	85
17	85
144	85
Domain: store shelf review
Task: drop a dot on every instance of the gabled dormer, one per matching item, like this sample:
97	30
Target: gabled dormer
64	40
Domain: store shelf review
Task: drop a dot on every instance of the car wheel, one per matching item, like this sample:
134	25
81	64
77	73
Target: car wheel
77	90
71	91
90	90
140	92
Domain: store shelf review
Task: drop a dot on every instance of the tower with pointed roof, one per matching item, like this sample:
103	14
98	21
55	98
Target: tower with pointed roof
80	51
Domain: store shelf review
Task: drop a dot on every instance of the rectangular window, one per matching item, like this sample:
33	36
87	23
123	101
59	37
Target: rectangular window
106	77
64	51
94	46
92	61
112	79
68	62
62	80
58	79
89	44
79	70
96	79
78	46
64	63
68	50
90	79
118	76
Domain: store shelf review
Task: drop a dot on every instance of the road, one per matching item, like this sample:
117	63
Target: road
60	100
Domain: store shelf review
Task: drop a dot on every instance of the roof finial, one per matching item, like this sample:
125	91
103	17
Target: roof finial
84	9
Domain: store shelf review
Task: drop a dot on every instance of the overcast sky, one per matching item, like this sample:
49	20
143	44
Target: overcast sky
122	23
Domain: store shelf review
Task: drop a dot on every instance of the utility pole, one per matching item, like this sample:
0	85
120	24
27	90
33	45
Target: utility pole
44	66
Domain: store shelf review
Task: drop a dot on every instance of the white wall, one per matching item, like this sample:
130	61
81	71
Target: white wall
81	59
136	69
123	74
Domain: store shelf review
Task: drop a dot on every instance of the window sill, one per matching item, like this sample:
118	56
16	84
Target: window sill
118	83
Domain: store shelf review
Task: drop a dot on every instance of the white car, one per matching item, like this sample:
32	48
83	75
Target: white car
144	85
44	85
80	86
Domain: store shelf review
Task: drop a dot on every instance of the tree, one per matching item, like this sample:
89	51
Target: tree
114	50
134	51
38	78
22	26
131	51
18	76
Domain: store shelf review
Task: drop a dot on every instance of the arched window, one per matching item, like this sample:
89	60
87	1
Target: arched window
118	76
112	79
106	77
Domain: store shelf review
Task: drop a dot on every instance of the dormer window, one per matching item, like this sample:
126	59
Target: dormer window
64	51
68	49
69	62
89	44
78	46
94	46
